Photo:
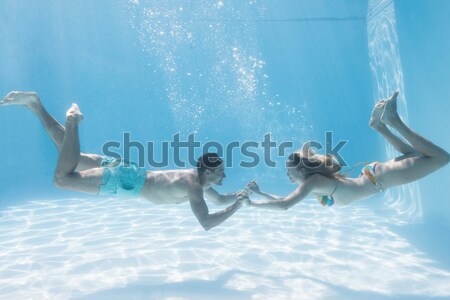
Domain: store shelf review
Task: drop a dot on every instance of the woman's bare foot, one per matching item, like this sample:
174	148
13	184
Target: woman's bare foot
28	99
377	111
390	114
74	115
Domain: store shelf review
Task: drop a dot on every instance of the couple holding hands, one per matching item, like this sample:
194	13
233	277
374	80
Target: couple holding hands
315	174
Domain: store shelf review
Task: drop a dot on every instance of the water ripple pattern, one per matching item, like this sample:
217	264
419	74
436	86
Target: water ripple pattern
131	249
388	76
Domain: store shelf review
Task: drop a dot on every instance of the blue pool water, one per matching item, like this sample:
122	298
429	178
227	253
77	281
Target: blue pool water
225	71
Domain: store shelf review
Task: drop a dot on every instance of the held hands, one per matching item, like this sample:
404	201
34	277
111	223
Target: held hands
253	187
242	196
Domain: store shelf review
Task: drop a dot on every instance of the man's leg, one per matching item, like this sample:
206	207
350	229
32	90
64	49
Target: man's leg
54	129
66	177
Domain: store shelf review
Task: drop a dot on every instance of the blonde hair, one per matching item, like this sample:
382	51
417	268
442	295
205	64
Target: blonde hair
315	163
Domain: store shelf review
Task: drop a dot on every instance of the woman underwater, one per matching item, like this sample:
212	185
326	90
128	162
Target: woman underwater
320	174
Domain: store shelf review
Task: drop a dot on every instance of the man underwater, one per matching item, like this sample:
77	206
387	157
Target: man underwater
101	175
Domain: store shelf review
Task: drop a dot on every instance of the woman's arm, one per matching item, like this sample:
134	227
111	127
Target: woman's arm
270	197
253	187
292	199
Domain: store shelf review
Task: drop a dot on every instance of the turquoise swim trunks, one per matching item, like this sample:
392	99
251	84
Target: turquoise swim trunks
121	179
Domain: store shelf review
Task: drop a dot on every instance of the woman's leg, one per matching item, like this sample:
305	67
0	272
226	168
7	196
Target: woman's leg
407	169
54	129
87	181
375	122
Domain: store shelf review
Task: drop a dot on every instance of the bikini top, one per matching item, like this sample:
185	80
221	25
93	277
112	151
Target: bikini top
328	200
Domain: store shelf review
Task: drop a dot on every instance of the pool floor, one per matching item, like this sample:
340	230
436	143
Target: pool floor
110	249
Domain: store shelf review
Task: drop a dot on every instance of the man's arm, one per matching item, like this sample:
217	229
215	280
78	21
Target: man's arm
201	211
216	198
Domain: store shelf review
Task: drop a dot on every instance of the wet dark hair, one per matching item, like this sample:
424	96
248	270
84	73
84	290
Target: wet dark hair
325	165
208	161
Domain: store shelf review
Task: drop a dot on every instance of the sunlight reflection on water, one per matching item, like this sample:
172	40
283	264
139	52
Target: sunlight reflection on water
387	74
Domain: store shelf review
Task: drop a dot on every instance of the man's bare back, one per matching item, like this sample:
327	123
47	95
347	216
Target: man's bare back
169	187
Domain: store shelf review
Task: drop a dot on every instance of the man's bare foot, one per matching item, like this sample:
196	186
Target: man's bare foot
28	99
74	115
377	111
390	114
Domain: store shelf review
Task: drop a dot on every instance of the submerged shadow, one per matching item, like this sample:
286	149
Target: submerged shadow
193	289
